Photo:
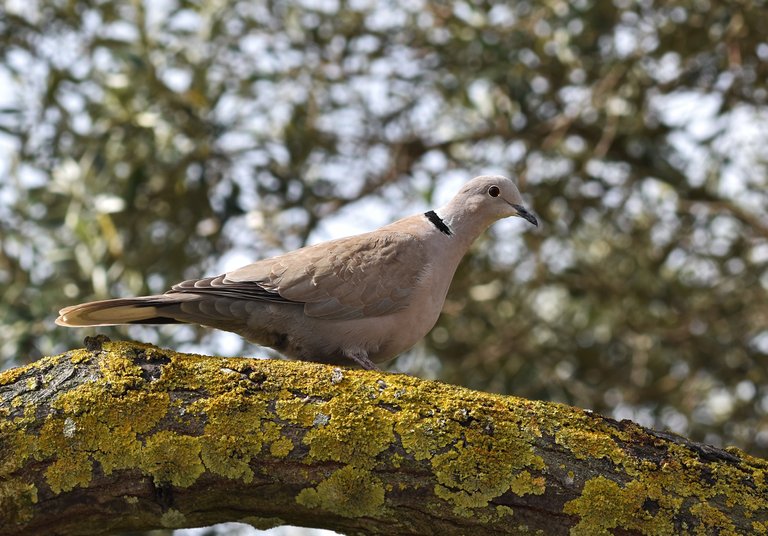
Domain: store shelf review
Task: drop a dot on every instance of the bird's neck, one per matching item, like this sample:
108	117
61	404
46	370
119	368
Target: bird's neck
464	224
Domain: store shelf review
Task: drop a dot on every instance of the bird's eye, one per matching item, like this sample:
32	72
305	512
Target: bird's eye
494	191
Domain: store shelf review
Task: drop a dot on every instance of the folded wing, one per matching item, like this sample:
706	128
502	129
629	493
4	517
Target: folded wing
355	277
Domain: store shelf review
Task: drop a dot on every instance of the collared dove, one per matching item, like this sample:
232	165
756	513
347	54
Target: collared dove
366	298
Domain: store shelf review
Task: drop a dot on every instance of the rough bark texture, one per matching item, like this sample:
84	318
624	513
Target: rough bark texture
130	437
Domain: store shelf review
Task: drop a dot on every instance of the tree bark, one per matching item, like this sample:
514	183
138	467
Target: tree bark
127	436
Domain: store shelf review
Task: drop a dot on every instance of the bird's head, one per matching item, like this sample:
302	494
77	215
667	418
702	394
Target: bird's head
497	197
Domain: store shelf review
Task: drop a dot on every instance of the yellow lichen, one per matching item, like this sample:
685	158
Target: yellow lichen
173	518
65	473
348	492
228	456
118	368
16	447
271	432
587	443
281	447
233	435
16	500
605	505
479	446
80	356
33	383
93	423
423	435
354	433
301	411
504	512
712	520
463	449
10	376
172	458
524	483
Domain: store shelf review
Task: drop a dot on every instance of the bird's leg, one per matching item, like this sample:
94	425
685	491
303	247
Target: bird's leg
361	358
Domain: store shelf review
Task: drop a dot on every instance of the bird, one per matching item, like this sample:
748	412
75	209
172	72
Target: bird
361	299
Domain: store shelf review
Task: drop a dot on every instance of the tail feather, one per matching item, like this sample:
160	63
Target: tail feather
142	310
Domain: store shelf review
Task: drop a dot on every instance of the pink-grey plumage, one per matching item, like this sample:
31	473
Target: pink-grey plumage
367	297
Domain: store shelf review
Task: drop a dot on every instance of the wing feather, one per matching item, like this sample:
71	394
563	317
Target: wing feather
361	276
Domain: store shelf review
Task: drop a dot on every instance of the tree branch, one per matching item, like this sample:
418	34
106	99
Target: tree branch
134	437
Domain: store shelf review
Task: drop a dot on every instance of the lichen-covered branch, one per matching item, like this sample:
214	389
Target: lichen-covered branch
131	437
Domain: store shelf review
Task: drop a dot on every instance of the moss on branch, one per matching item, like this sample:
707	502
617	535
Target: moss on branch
139	437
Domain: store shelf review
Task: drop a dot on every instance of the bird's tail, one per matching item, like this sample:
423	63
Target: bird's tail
142	310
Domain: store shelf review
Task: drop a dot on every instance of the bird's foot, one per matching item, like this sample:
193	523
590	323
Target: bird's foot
362	360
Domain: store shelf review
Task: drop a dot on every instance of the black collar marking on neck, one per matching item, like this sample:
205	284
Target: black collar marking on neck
439	223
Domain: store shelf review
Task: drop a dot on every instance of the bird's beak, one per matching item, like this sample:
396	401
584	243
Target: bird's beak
525	214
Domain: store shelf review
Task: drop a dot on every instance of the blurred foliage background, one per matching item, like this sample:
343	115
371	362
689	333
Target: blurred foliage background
147	142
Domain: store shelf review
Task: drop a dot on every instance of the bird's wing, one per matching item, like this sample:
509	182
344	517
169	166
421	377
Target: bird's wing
368	275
